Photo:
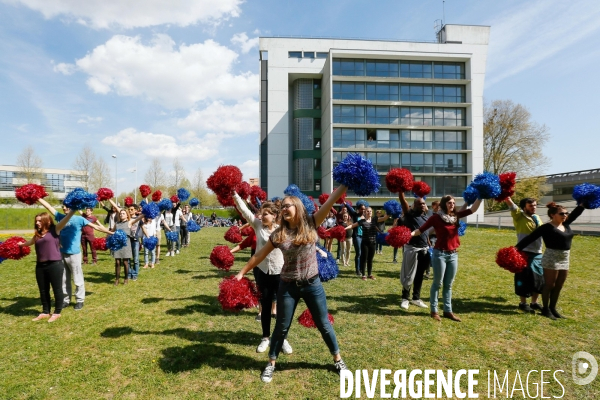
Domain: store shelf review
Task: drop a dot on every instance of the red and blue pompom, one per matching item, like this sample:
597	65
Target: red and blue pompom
30	193
323	198
223	181
194	202
145	190
399	180
508	181
150	211
99	244
104	194
156	196
381	238
117	240
511	259
10	248
172	236
470	195
247	231
233	235
150	242
174	199
305	319
183	194
328	268
588	195
338	232
237	295
358	174
221	258
393	208
193	226
462	228
128	201
165	205
487	184
79	199
322	232
420	189
398	236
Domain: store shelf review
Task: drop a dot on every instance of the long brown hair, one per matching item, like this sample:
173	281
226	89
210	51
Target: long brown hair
46	224
270	207
444	206
126	212
304	233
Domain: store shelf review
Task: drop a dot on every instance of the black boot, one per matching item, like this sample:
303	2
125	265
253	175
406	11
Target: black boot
556	314
546	313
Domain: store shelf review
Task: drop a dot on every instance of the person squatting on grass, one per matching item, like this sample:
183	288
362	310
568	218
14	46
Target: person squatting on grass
445	256
124	254
368	224
268	272
530	281
49	267
70	248
557	236
415	258
296	237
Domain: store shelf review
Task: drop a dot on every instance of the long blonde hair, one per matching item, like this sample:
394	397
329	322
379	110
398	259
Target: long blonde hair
304	233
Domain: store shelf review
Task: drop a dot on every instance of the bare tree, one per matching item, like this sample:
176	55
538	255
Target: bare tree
30	164
178	174
155	176
100	175
85	162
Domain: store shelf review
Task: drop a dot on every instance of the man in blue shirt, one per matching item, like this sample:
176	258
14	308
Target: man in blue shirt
70	248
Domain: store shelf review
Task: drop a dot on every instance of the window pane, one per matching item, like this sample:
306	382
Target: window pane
295	54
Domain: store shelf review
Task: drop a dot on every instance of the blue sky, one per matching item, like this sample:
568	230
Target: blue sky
146	78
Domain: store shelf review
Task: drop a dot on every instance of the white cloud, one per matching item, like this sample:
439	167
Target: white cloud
534	31
160	72
249	169
242	40
240	118
129	14
89	120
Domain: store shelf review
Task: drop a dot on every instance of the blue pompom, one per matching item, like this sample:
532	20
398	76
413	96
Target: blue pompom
393	208
381	239
143	202
588	195
193	226
117	240
172	236
194	202
362	202
150	210
276	198
165	205
183	194
358	173
293	190
488	185
150	242
79	199
462	227
258	203
470	195
328	268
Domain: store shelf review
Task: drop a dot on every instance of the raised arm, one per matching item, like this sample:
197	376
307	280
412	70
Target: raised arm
63	222
321	214
243	208
256	259
133	221
100	228
383	218
476	205
115	205
403	202
47	206
574	214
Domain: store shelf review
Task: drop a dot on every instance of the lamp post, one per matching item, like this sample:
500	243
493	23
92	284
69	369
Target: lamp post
116	184
134	189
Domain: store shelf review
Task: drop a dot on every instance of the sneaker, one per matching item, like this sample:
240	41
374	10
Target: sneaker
168	254
257	318
556	314
340	366
177	252
267	374
371	277
535	306
287	349
54	317
263	345
546	313
426	276
66	304
405	304
395	261
419	303
358	273
78	306
525	308
364	278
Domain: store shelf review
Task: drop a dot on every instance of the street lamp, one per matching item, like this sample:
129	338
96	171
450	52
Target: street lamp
134	189
116	184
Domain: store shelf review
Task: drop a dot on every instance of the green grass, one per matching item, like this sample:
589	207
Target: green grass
165	336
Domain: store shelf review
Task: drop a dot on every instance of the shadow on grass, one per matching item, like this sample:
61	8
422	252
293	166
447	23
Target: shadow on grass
206	304
100	277
22	306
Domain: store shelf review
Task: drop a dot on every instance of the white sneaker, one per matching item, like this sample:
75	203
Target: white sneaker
404	305
267	374
263	345
177	252
287	349
419	303
168	254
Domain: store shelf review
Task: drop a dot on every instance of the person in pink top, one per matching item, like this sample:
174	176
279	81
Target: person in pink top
445	257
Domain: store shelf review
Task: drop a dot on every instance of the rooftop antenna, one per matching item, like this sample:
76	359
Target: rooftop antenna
443	12
438	24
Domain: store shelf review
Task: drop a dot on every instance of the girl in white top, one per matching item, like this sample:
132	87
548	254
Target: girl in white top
149	229
267	272
159	222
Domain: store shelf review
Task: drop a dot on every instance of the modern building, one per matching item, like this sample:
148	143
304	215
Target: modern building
58	181
416	105
559	187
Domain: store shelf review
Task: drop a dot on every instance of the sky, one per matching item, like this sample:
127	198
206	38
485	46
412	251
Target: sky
179	79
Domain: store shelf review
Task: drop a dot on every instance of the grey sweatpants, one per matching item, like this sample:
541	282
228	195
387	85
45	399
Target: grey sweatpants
409	264
73	269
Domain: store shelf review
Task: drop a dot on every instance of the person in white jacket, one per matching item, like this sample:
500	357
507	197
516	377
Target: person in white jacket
268	271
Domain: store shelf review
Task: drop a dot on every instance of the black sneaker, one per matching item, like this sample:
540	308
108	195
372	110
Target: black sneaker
426	276
525	307
556	314
535	306
340	366
546	313
267	374
78	306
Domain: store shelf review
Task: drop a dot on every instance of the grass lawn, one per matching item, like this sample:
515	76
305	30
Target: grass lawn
165	336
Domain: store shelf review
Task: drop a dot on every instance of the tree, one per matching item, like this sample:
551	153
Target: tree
531	187
155	176
100	175
199	190
30	165
178	174
85	162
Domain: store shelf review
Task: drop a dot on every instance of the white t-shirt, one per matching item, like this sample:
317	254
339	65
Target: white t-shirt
150	228
157	222
178	215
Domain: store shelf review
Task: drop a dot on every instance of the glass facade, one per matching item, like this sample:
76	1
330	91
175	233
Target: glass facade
393	115
414	162
402	69
52	182
357	138
440	186
398	92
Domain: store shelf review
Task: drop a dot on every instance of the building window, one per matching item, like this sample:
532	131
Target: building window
382	68
415	69
317	103
317	84
348	114
382	91
404	69
322	55
294	54
348	91
304	173
348	67
391	115
309	54
394	139
382	115
449	70
415	162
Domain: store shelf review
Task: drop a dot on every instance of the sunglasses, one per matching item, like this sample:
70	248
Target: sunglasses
562	214
286	206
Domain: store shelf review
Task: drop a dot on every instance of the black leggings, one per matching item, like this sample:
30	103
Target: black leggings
49	273
268	286
367	252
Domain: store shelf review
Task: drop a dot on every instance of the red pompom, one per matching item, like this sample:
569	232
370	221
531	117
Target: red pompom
342	199
256	191
225	201
338	232
306	319
221	257
420	188
174	199
508	181
30	193
236	295
323	198
10	248
233	235
225	179
104	194
247	231
128	201
250	241
243	189
398	236
156	196
511	259
322	232
99	243
399	180
145	191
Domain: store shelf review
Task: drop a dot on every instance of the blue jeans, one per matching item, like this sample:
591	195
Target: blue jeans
173	245
288	296
134	262
444	271
149	255
356	242
395	253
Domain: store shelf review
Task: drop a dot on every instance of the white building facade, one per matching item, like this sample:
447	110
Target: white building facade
414	105
57	181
